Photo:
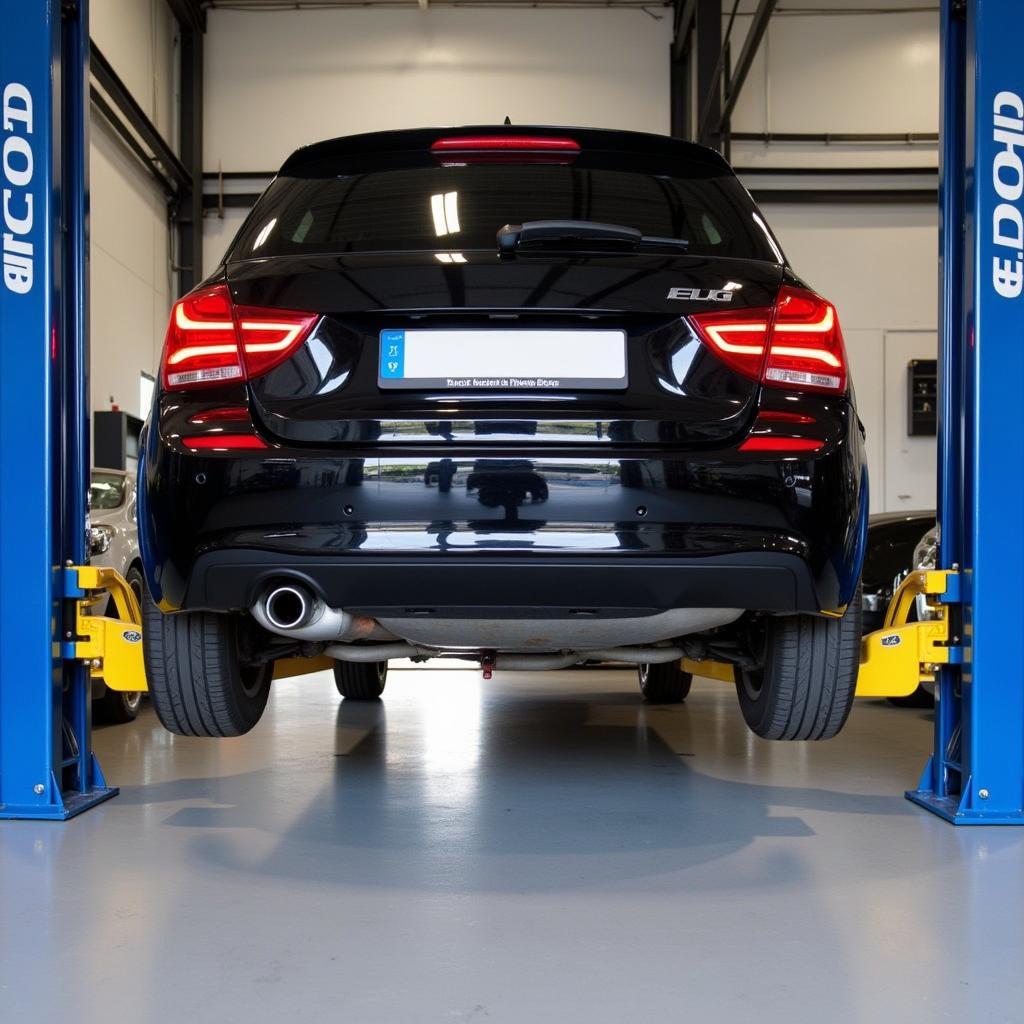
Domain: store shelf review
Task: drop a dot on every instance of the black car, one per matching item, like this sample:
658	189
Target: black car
634	422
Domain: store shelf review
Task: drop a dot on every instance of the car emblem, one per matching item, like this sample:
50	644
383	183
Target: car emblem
701	294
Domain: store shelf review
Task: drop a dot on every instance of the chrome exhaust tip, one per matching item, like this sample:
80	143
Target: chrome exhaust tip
288	607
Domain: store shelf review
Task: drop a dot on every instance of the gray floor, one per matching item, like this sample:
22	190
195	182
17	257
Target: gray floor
533	849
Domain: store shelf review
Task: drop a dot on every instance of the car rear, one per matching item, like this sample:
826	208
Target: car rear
623	422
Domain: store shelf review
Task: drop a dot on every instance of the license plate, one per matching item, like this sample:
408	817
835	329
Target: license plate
503	360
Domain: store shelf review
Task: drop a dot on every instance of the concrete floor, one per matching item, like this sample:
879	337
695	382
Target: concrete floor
533	849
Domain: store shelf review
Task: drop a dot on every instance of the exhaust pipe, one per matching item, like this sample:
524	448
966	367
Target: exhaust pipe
525	662
293	610
288	607
375	652
566	659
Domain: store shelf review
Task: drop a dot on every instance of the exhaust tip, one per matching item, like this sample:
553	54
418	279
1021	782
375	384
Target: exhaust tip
287	607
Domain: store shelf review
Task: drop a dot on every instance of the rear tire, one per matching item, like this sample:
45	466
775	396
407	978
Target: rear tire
804	687
360	680
198	681
666	683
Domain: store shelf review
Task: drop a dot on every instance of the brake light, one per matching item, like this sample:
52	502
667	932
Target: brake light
211	341
806	349
497	149
505	143
738	337
795	344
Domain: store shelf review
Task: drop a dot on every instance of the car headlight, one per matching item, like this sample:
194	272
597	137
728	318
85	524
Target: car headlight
926	554
99	539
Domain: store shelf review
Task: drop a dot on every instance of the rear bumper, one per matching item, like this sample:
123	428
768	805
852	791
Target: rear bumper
467	533
509	587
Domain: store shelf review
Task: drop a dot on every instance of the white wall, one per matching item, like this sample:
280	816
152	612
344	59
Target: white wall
276	81
131	282
878	264
844	73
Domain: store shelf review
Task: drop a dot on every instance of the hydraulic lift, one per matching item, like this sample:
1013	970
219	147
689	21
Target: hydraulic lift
973	649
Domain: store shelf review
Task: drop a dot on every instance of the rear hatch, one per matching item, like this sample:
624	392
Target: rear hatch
429	335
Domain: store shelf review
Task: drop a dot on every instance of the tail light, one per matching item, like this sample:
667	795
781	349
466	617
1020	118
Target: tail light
795	344
212	341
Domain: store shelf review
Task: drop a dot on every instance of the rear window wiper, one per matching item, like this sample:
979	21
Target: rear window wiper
579	237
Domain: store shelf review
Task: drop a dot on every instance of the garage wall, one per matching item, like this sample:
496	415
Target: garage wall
317	74
878	264
841	72
855	73
131	283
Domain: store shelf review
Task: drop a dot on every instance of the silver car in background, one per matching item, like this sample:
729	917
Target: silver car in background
114	543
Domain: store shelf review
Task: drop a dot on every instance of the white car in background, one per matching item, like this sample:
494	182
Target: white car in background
114	543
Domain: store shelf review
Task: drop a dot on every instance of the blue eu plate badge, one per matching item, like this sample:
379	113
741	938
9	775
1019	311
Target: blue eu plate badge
392	355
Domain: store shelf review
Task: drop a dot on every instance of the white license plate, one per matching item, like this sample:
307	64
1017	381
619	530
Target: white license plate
503	360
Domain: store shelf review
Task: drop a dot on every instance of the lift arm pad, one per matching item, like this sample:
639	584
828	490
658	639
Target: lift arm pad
112	648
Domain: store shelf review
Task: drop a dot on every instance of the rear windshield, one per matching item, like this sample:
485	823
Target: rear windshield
462	207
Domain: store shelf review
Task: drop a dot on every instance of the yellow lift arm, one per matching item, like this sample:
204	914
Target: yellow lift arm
112	648
897	658
894	660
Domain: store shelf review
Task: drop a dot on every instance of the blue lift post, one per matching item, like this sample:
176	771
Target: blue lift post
47	768
976	772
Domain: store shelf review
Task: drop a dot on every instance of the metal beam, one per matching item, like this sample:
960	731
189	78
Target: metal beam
685	13
681	101
804	171
709	56
839	138
755	34
188	14
231	201
126	103
846	196
189	213
129	139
